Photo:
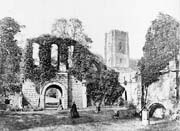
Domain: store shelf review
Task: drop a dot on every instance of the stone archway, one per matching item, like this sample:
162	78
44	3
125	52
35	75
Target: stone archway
60	87
53	96
152	108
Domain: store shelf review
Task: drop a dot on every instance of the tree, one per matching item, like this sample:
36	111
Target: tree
161	46
102	85
10	54
60	28
71	28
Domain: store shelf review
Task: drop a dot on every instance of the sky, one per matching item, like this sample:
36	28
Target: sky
98	17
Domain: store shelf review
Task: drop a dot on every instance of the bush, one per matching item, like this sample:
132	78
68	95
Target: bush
131	106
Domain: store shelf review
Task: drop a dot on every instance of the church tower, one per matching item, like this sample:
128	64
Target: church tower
117	49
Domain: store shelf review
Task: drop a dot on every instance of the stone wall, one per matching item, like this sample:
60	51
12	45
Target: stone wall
163	91
16	100
72	90
132	87
30	94
78	90
134	93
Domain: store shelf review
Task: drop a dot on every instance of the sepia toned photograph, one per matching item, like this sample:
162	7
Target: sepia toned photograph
89	65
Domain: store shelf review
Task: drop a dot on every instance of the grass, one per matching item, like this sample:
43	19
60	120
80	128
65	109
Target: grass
88	121
25	120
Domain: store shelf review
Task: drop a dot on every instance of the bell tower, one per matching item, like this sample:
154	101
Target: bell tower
117	49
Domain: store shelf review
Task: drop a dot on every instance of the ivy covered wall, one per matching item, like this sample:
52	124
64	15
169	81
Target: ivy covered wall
86	66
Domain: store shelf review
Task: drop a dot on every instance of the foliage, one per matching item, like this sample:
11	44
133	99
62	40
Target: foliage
106	89
45	71
60	28
102	84
71	28
131	106
160	47
82	61
10	54
28	61
86	66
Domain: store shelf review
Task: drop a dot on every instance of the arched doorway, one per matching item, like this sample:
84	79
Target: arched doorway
52	94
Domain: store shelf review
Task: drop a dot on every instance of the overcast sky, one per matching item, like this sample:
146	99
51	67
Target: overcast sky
98	17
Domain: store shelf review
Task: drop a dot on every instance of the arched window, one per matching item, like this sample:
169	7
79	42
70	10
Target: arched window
54	55
36	53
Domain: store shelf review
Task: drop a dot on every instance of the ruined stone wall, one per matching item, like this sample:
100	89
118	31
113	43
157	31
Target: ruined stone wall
16	101
163	91
72	89
78	91
30	94
132	87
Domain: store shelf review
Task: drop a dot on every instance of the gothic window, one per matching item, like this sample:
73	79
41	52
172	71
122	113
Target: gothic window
36	53
54	55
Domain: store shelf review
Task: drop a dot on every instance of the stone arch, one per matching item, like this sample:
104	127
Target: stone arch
58	85
152	107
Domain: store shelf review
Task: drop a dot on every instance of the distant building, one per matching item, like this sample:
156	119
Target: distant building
117	54
117	49
117	58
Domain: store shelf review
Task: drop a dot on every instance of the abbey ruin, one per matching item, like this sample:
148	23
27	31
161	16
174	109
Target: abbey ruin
117	58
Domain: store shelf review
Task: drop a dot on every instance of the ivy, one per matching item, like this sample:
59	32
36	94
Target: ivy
161	46
86	66
45	71
28	60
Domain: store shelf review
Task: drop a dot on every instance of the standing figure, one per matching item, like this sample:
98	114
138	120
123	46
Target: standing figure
60	107
73	111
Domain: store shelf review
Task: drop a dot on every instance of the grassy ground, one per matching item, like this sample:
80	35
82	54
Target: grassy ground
89	121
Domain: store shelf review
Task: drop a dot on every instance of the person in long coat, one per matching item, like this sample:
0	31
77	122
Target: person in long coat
73	111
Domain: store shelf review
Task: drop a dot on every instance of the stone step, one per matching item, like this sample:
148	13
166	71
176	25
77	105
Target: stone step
49	108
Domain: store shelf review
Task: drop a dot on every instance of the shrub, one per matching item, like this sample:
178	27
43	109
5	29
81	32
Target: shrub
131	106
